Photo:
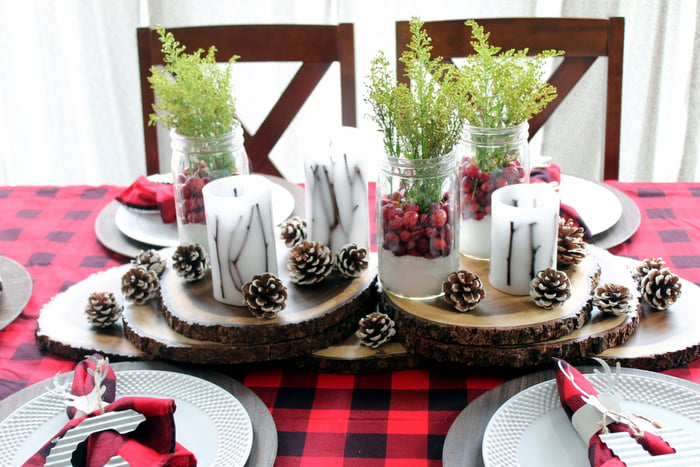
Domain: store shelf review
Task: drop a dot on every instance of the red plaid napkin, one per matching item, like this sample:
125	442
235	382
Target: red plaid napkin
151	444
145	194
551	173
574	391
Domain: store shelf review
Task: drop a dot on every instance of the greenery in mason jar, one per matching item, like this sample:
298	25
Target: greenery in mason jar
423	120
504	88
193	90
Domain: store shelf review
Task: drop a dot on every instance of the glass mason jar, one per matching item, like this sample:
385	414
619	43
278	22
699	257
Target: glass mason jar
417	228
195	162
490	158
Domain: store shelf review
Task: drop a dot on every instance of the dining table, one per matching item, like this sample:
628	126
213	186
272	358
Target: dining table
387	417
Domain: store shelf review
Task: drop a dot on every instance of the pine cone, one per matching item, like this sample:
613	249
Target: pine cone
571	245
661	288
375	329
309	263
463	290
265	295
350	260
150	259
644	267
139	285
293	231
550	288
612	299
190	261
102	309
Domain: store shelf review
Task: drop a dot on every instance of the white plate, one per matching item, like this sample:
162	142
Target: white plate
210	421
148	227
531	428
597	206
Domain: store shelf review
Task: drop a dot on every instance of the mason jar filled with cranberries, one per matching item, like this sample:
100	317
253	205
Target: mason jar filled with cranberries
417	224
195	162
490	158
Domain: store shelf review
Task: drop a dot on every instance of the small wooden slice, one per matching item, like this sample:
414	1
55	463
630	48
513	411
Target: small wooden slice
63	329
500	318
191	310
147	329
600	333
665	339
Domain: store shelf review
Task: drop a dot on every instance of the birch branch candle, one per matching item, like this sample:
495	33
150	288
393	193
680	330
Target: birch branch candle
337	209
240	233
524	233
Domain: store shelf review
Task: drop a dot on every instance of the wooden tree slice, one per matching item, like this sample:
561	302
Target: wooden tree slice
665	339
500	318
63	329
146	327
191	310
350	356
599	334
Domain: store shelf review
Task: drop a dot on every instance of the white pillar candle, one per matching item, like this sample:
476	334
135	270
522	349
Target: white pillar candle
524	232
337	209
240	233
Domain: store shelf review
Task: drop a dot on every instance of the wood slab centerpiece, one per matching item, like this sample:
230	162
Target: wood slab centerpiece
511	331
200	328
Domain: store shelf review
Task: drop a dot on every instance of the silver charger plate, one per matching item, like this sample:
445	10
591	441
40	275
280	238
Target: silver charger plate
209	420
531	428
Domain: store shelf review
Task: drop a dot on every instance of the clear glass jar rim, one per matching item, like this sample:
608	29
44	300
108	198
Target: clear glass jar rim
506	130
406	163
236	131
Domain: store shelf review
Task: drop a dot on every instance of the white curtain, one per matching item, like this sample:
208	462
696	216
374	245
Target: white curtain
70	109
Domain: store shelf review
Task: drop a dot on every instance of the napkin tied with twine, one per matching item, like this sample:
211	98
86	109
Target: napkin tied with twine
151	443
577	394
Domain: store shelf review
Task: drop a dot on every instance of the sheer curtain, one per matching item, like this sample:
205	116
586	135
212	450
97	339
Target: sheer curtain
70	100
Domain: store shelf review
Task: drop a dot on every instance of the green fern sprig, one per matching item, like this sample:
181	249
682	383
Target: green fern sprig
193	90
504	88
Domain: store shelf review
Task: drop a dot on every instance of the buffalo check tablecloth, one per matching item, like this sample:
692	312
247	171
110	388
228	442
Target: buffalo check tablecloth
381	419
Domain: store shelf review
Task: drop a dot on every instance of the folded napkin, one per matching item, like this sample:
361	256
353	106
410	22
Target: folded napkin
151	443
145	194
551	173
587	411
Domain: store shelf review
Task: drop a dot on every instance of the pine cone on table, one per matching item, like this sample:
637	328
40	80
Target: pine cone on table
661	288
293	231
309	263
350	260
265	295
139	285
613	299
571	245
150	259
190	261
102	309
550	288
463	290
644	267
375	329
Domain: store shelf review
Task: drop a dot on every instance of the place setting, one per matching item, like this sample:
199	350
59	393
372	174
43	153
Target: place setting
197	413
143	221
534	419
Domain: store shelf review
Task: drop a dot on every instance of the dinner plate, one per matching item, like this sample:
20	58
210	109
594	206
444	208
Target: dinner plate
531	428
597	205
146	226
16	290
209	420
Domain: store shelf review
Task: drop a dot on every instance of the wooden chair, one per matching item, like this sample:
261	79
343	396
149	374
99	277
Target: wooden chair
315	46
583	40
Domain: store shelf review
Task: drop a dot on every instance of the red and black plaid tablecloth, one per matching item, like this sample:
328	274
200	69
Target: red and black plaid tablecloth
383	419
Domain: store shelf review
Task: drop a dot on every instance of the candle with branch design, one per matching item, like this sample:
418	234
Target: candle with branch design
336	193
524	229
240	233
